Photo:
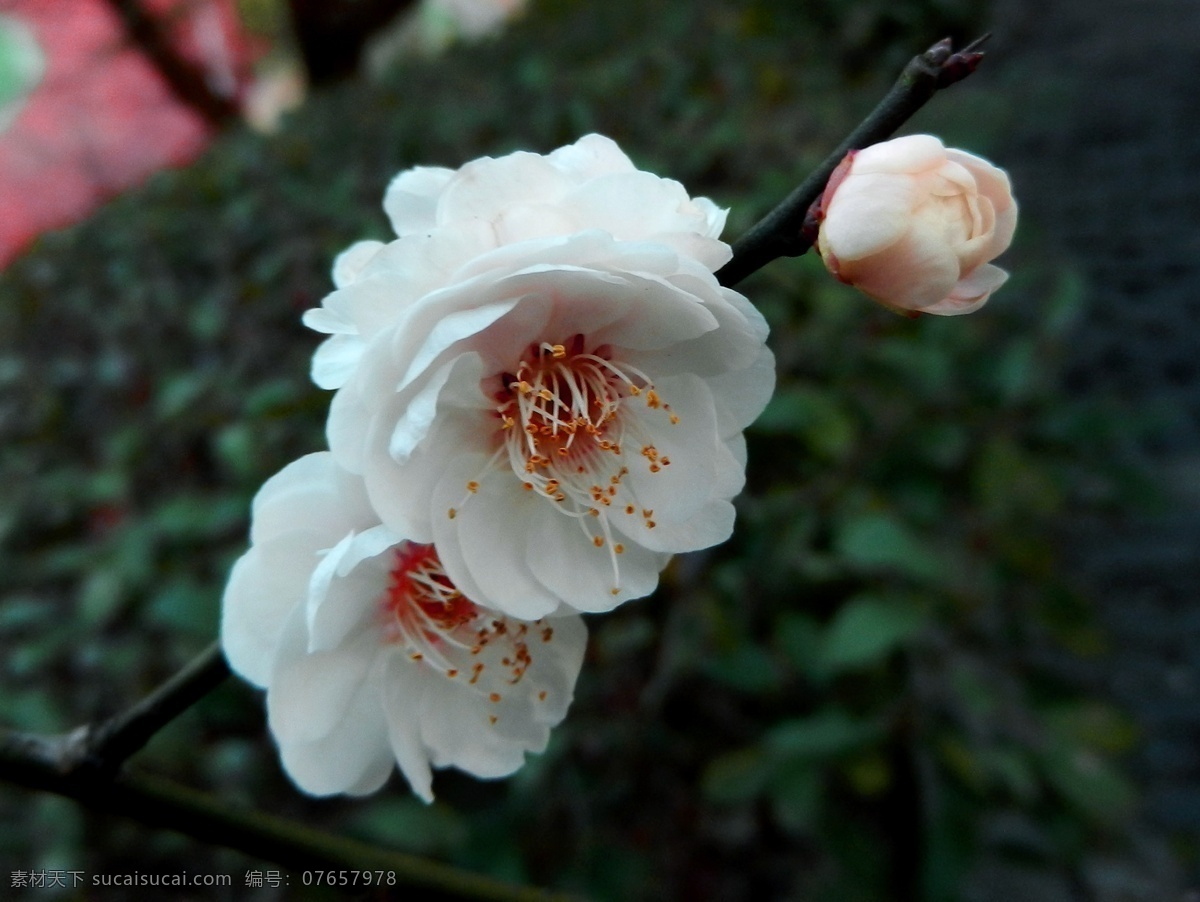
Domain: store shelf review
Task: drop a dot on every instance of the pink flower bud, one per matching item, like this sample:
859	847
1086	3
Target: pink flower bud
914	225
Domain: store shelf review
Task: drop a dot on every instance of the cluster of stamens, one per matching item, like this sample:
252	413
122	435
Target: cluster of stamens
564	436
440	627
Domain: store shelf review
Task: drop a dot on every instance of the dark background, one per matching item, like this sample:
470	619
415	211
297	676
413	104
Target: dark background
950	652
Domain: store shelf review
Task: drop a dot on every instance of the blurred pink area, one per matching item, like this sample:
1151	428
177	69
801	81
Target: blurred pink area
102	119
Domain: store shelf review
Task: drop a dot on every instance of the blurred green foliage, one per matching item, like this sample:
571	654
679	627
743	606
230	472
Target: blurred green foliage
853	699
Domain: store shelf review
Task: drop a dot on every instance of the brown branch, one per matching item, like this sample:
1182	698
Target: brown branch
185	80
783	231
43	763
85	765
106	747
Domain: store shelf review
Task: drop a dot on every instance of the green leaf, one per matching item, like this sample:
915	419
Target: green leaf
869	773
187	607
826	734
867	629
748	668
813	415
1016	369
796	798
798	636
100	597
1088	782
878	541
1093	724
737	776
180	392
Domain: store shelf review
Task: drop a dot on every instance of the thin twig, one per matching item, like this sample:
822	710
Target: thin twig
782	232
36	762
107	746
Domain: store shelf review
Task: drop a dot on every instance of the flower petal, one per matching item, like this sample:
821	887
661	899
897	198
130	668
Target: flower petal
867	214
335	360
350	262
483	188
908	154
590	578
592	155
917	271
412	197
310	693
491	529
403	689
346	587
265	585
456	728
970	293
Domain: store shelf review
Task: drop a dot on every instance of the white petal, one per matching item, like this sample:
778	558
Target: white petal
329	725
411	199
347	426
917	271
557	662
354	757
483	188
567	562
741	395
403	688
970	293
525	222
735	343
450	330
710	525
911	153
335	360
401	493
590	156
632	206
691	444
456	727
490	530
405	271
867	214
310	693
350	262
347	587
264	587
321	319
310	493
674	315
714	216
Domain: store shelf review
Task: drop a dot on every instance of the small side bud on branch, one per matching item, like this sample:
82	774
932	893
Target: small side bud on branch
958	66
788	230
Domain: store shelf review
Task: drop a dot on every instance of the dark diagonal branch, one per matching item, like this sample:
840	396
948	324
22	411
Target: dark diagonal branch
99	751
185	79
106	747
35	762
782	232
85	763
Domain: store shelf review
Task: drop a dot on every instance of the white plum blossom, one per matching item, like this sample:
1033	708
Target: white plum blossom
372	657
541	375
914	225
